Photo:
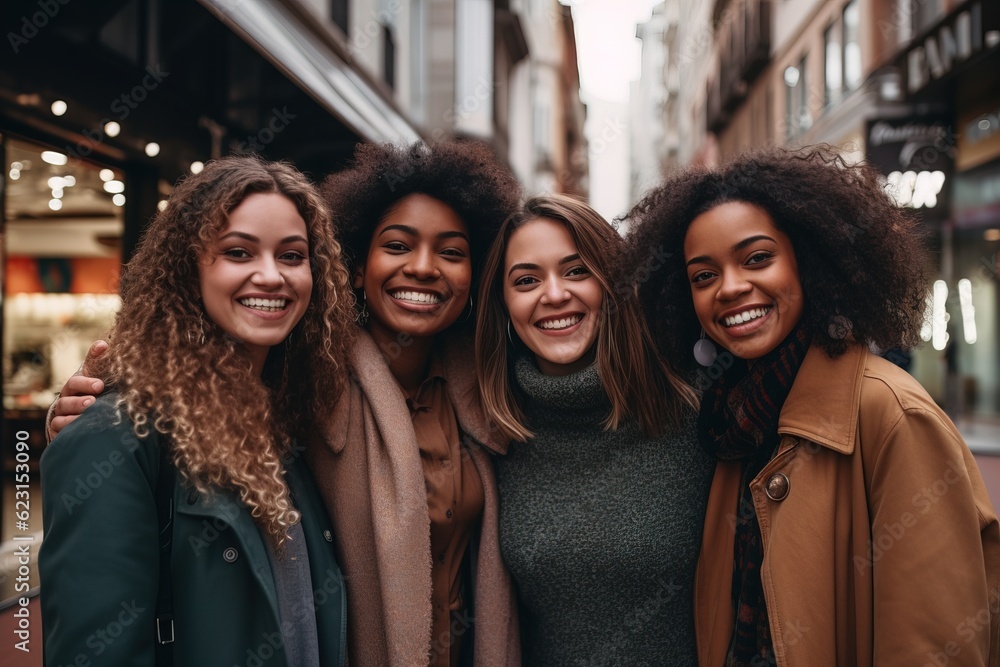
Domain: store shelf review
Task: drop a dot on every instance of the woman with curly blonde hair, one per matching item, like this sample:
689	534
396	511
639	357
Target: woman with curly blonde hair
235	320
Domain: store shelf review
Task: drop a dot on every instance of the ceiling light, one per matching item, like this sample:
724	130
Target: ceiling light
59	107
152	149
197	166
112	129
52	157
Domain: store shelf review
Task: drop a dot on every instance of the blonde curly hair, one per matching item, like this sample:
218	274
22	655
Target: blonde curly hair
175	371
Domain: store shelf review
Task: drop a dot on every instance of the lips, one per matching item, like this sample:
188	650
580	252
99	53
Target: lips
416	297
264	305
558	323
745	316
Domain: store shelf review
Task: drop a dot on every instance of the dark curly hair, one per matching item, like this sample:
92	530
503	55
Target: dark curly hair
862	258
465	175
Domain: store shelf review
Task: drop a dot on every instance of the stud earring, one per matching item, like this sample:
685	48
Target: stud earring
704	350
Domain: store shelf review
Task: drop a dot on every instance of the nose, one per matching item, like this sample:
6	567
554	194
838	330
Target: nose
421	265
268	274
554	292
733	285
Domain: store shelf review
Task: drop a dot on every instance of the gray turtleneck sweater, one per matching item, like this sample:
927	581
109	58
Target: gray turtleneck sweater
600	530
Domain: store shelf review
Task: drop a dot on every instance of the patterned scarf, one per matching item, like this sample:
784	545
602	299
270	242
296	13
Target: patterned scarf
738	421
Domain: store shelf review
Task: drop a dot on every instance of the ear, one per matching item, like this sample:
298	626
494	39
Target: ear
359	278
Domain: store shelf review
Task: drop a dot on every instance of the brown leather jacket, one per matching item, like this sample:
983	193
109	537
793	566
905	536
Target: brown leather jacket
881	546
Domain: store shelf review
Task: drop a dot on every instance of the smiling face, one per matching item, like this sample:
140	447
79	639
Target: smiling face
418	272
744	279
553	300
255	279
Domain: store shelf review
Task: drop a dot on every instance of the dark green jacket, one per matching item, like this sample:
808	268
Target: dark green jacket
99	561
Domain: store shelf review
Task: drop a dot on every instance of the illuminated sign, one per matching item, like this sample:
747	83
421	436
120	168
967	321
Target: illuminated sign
972	29
917	157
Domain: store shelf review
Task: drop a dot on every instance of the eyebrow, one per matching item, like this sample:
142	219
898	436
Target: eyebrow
412	231
739	246
254	239
534	267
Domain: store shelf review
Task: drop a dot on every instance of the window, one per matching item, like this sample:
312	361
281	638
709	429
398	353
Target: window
925	14
852	46
833	73
339	14
388	57
797	116
417	65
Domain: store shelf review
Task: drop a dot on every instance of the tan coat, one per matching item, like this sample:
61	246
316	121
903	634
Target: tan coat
370	476
885	550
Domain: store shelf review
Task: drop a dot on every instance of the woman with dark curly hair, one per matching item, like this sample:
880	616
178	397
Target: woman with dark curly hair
847	523
228	348
404	469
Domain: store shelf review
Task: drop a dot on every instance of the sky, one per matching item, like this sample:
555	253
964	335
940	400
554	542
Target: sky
609	57
607	49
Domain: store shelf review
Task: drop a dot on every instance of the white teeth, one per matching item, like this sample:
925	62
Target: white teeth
563	323
267	305
746	316
416	297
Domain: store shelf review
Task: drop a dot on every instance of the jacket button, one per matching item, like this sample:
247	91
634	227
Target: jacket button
328	536
230	555
777	487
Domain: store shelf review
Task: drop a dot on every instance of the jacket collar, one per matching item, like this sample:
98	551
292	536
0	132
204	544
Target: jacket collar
830	421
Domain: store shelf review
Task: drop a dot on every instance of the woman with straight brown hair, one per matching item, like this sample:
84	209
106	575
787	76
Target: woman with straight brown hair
603	488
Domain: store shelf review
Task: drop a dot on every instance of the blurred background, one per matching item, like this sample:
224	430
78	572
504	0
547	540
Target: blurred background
104	105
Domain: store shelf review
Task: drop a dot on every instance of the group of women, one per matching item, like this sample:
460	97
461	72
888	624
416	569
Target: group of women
499	457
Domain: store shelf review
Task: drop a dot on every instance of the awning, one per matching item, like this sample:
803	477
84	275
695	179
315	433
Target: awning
294	48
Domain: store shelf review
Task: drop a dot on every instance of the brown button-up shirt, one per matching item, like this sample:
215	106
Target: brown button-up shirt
455	501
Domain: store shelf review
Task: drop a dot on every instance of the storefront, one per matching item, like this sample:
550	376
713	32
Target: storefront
103	106
946	145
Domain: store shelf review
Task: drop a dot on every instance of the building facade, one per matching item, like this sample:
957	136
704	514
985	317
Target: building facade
914	88
103	106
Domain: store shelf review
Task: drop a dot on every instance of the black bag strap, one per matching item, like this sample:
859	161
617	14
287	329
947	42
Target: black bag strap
164	599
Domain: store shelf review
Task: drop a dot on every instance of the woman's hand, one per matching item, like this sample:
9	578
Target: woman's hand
78	393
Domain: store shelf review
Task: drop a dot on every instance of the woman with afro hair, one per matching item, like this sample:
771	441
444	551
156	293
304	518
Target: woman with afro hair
405	470
847	522
226	353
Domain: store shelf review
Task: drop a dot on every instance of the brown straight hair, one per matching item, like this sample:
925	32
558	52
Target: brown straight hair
637	380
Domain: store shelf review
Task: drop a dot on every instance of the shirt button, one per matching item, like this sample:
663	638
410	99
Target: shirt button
328	536
448	514
777	487
441	558
230	555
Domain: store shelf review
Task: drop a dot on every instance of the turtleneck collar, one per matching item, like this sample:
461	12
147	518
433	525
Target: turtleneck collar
580	392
